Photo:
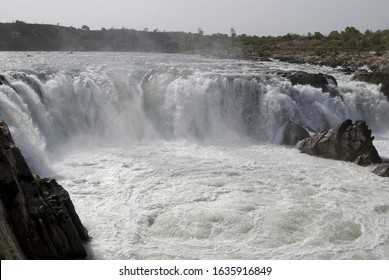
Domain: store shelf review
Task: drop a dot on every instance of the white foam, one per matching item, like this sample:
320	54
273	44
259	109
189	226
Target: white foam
171	156
179	200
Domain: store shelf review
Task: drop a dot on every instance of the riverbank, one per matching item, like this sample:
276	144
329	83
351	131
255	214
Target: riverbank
349	48
371	67
350	61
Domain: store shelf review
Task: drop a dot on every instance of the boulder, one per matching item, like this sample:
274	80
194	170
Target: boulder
375	78
3	80
37	216
326	82
293	133
347	141
382	170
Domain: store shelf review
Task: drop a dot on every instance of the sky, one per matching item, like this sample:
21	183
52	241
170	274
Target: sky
250	17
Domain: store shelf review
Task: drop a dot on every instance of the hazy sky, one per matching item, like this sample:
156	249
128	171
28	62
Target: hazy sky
253	17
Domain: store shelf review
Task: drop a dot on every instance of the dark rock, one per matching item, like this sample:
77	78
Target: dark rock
9	245
37	217
375	78
382	170
3	80
347	141
293	133
326	82
347	70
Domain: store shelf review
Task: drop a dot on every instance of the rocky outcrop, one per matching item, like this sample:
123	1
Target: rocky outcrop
375	78
3	80
293	133
347	141
326	82
347	59
382	170
37	217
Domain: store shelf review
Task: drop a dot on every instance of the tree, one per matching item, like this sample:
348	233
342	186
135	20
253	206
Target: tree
233	32
16	36
352	31
334	35
318	36
16	39
200	31
85	27
351	36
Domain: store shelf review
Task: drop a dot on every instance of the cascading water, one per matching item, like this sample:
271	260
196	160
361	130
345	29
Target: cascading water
173	156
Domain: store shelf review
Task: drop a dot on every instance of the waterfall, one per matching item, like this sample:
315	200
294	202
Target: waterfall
95	106
177	156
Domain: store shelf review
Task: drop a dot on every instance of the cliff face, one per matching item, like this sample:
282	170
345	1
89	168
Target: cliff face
37	217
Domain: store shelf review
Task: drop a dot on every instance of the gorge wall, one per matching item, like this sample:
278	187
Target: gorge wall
37	217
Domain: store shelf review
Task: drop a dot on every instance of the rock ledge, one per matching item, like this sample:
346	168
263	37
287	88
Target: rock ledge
382	170
347	141
37	217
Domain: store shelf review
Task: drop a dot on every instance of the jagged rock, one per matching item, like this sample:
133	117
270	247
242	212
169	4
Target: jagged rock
375	78
37	217
347	141
382	170
323	81
3	80
9	245
293	133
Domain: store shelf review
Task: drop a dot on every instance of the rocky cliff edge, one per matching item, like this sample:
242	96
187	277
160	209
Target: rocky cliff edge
37	217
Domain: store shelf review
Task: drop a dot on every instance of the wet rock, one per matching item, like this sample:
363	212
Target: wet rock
37	217
293	133
382	170
347	141
352	59
2	80
326	82
375	78
347	70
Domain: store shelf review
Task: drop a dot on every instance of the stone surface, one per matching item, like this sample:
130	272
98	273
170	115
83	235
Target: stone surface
375	78
37	217
347	59
347	141
326	82
382	170
9	245
293	133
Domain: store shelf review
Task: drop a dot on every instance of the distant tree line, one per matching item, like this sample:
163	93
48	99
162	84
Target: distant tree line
20	36
316	43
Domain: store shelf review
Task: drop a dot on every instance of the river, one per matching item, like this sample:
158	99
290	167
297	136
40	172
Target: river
171	156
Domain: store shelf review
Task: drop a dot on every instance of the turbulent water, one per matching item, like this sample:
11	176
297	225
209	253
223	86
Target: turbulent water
178	157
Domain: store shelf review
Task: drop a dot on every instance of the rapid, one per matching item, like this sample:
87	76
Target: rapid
170	156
